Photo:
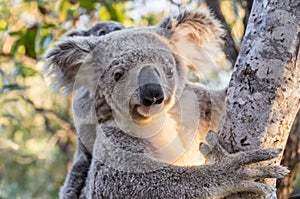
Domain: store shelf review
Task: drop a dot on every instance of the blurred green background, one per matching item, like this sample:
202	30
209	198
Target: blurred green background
37	138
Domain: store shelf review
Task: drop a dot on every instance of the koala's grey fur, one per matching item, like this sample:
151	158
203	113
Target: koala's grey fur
113	160
99	29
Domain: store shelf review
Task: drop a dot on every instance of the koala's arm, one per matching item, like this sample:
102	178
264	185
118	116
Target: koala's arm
224	175
75	180
211	106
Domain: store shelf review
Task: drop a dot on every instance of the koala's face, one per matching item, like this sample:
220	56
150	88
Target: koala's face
142	76
136	73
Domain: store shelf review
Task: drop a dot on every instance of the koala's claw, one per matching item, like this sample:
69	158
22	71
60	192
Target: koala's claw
236	165
204	149
257	155
276	171
213	151
212	138
255	187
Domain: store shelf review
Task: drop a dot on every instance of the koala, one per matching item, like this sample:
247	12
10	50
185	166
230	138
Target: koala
144	130
101	28
84	119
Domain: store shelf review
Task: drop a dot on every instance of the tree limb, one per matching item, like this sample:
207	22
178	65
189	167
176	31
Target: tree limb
229	49
248	9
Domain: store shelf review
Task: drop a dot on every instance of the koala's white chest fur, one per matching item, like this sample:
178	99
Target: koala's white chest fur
177	140
174	147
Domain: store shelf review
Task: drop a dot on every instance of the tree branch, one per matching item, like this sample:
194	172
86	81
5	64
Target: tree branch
175	3
64	120
248	9
229	49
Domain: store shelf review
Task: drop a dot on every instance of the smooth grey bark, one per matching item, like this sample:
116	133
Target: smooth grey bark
264	93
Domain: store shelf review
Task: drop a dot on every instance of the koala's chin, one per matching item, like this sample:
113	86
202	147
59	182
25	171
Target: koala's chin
144	115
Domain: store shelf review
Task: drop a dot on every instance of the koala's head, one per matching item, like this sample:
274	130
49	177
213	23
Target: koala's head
139	72
100	29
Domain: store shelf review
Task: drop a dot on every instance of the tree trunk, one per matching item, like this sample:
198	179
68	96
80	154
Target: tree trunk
291	159
264	92
291	155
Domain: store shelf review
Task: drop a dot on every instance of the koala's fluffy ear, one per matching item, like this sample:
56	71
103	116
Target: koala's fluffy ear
195	36
65	59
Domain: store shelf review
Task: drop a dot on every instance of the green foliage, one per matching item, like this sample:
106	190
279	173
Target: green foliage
30	144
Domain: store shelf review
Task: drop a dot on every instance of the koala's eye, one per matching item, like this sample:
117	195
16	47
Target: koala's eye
170	73
118	74
101	32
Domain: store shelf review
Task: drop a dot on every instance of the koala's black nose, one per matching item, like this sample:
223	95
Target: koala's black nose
150	90
151	94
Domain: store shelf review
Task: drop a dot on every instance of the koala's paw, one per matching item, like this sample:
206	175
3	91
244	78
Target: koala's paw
236	175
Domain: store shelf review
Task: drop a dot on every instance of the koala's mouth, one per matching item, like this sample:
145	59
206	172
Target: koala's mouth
141	112
143	115
149	111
